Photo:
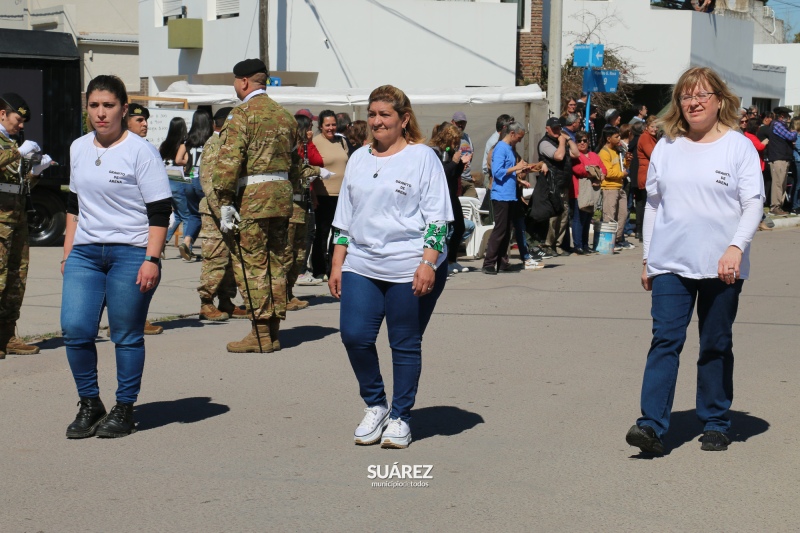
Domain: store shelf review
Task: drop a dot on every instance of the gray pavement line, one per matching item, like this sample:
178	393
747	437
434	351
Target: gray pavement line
38	337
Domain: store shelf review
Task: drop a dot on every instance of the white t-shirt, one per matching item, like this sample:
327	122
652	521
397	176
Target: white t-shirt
386	217
697	190
112	196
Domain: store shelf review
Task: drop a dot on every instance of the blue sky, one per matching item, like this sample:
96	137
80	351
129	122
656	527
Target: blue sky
789	11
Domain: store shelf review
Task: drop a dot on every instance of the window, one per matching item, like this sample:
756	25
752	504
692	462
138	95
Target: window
520	11
173	10
227	8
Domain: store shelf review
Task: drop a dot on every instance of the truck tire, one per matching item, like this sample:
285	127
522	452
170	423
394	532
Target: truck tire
46	227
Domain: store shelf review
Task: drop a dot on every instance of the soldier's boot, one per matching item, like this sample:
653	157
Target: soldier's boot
295	304
250	343
208	311
14	345
149	329
274	330
233	310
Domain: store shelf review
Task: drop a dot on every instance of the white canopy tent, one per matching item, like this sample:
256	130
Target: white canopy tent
482	105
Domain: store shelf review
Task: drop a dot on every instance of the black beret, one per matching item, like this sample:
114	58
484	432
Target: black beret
138	110
782	111
222	113
18	104
248	67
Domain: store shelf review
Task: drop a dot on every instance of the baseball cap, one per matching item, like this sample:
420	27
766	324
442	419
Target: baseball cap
459	116
306	113
553	122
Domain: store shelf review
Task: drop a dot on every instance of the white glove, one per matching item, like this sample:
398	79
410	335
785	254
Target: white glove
324	173
28	147
41	167
228	218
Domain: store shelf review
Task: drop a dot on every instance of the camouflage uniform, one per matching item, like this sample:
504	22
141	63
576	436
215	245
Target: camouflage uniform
259	138
13	242
295	254
216	272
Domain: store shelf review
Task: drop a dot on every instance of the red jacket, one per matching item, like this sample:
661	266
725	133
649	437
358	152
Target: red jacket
759	146
579	170
314	158
643	149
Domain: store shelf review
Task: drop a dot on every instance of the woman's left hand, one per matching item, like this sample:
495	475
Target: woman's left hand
728	266
424	280
147	279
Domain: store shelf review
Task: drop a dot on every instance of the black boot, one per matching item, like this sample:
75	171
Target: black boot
118	423
89	415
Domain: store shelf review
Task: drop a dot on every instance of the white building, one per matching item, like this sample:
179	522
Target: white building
663	43
337	43
105	31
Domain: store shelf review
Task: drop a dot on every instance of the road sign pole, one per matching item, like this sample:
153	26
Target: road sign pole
588	111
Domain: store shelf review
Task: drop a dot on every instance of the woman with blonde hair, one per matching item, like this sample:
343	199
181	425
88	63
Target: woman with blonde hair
390	245
704	202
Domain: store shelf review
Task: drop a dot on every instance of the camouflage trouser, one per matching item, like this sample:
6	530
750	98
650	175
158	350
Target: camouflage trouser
13	268
295	256
263	244
216	272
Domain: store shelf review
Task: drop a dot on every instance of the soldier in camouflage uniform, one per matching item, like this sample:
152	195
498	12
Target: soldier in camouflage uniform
216	272
14	112
251	178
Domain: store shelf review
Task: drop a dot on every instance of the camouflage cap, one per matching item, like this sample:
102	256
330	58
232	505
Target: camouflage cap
18	104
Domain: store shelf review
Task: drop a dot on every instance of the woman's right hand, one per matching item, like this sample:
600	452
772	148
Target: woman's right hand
647	283
335	282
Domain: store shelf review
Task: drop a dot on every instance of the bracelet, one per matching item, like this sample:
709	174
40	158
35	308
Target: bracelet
424	262
63	261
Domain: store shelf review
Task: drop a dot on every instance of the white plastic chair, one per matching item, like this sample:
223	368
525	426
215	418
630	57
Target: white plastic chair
476	245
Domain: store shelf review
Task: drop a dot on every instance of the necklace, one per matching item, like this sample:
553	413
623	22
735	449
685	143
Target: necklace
97	161
378	170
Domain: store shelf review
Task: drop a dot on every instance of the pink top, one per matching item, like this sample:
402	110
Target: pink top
579	169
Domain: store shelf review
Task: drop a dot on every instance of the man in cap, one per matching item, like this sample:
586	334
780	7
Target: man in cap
467	183
251	179
779	154
216	272
14	113
557	149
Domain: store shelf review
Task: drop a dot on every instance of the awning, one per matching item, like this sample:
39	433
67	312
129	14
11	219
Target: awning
37	44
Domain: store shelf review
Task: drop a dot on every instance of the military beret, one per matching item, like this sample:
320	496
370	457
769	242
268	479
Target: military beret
782	111
18	104
222	113
248	67
138	110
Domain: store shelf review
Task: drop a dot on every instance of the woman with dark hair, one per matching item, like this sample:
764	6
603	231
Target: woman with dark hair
118	212
201	131
333	149
390	245
705	198
173	154
582	170
357	135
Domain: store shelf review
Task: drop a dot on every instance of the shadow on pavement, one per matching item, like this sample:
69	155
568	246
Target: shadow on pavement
685	427
319	300
183	411
298	335
442	420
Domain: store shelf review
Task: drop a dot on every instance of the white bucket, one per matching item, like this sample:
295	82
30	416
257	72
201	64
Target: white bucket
604	237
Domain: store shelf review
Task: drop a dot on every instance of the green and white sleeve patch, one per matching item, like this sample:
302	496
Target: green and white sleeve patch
340	237
435	236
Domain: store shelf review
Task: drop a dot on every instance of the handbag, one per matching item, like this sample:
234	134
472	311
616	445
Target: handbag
545	202
589	189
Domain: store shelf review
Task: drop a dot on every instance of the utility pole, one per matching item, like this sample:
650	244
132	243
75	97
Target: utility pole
554	58
263	31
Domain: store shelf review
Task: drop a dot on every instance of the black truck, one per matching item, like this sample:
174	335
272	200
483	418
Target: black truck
45	69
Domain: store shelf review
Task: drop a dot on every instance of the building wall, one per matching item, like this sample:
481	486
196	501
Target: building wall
786	55
346	43
529	46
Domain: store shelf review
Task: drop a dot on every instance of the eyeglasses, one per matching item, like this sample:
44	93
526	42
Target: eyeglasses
701	98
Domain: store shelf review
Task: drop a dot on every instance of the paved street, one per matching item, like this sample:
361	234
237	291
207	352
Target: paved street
530	381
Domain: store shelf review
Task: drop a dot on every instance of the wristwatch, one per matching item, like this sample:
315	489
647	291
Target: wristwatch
156	260
424	262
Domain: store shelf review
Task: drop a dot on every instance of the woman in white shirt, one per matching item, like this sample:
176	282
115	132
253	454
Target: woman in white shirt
391	223
117	216
705	195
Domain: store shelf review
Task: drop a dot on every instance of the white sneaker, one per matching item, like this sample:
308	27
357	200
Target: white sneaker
396	435
453	269
370	428
457	267
307	279
531	264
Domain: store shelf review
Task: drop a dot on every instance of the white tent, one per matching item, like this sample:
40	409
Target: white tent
482	105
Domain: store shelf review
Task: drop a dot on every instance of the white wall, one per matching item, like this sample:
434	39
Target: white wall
348	43
785	55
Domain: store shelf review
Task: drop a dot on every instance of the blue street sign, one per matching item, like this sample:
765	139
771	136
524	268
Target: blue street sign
274	81
588	55
600	81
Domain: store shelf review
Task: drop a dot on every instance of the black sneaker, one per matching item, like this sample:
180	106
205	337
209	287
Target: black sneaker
90	414
714	441
538	254
118	423
489	270
645	438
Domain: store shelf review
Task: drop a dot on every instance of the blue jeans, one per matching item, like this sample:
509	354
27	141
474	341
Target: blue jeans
364	304
519	235
194	193
580	226
674	298
630	227
795	188
96	276
179	208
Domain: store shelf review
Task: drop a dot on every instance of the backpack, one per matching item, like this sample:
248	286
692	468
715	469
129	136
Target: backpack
545	202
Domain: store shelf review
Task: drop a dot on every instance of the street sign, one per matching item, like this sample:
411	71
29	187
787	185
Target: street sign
600	81
588	55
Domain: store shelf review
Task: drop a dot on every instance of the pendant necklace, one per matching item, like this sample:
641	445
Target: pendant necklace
97	161
377	170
